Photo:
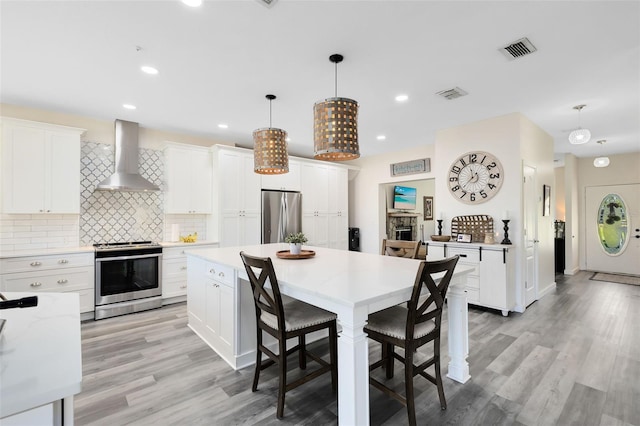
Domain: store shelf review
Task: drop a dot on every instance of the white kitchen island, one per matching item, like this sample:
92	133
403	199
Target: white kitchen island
40	360
351	284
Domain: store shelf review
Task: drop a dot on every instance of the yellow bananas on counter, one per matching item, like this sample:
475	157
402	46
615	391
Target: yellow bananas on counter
191	238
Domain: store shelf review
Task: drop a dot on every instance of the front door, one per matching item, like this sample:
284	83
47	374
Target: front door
530	233
612	228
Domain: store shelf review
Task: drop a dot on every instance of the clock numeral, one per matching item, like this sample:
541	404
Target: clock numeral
472	196
484	194
455	169
494	175
463	194
492	165
453	179
463	162
483	158
473	158
455	188
491	186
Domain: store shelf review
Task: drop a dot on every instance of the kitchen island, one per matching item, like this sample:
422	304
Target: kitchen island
351	284
40	360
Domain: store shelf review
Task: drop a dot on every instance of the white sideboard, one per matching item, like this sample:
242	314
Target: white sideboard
491	283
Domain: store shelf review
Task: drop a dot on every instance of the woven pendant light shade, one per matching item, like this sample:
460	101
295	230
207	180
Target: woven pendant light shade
335	131
270	151
270	155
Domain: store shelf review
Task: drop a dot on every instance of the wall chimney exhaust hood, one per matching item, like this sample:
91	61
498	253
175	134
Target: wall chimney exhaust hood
126	176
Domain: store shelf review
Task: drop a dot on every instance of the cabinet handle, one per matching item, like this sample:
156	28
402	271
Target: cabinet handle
462	255
63	281
48	211
182	252
41	211
183	268
221	274
212	271
36	284
63	261
35	263
183	286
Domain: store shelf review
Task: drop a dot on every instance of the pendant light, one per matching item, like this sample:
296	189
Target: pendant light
580	135
335	125
601	161
270	149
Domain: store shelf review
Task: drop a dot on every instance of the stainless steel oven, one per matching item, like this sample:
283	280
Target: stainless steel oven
128	278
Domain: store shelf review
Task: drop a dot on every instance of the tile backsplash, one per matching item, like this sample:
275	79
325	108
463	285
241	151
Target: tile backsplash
38	231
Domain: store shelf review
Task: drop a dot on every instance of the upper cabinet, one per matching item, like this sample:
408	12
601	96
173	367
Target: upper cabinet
40	167
188	179
286	181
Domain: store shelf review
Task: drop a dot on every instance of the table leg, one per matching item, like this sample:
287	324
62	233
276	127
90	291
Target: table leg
458	330
353	371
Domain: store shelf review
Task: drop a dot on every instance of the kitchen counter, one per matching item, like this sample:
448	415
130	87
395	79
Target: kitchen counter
44	252
470	245
40	356
169	244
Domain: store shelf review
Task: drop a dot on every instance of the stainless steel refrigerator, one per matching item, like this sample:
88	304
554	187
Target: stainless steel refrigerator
281	215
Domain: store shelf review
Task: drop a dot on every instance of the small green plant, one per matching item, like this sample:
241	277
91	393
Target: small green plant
297	238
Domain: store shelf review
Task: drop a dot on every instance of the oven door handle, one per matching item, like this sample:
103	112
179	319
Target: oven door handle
128	257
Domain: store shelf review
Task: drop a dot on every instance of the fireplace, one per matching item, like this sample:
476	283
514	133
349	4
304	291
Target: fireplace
404	233
402	226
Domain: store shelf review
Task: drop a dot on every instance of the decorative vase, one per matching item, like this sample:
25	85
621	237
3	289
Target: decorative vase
295	248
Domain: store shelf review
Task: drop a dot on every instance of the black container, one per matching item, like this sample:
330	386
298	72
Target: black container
354	239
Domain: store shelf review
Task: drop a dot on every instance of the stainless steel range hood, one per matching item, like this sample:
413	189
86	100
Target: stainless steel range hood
126	176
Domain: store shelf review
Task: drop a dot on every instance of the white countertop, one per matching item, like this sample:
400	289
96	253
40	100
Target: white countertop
40	352
46	252
170	244
470	245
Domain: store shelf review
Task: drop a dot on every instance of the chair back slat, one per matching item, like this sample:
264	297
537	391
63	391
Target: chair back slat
420	308
264	284
400	248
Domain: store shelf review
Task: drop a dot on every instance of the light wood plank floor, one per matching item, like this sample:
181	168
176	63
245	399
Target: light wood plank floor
573	358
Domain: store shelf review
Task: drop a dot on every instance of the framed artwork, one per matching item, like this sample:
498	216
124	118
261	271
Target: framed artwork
546	200
427	208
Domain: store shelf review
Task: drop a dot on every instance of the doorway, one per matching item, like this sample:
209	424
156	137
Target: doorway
530	233
616	249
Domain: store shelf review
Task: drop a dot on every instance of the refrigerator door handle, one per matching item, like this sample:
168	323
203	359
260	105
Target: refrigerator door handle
283	218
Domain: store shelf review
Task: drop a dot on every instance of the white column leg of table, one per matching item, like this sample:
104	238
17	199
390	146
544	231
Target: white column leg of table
353	370
458	330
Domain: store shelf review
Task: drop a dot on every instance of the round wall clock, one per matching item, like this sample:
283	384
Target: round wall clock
475	177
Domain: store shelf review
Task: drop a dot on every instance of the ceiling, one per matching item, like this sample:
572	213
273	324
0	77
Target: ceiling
217	62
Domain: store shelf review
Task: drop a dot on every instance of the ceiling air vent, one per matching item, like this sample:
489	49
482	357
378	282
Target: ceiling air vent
518	49
451	94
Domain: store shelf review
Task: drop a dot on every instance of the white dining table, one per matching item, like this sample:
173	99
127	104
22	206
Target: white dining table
354	285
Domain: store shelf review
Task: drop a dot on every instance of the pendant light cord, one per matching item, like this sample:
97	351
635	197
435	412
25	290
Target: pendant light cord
270	112
336	78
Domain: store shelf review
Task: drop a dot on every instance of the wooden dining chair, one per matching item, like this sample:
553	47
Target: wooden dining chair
400	248
411	327
284	318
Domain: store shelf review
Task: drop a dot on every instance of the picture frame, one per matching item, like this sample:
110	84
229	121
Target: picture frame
427	207
464	238
546	200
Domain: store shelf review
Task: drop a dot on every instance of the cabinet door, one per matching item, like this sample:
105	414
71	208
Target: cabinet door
250	229
314	180
230	170
62	194
200	184
286	181
339	184
230	230
316	228
435	252
196	292
227	318
338	231
493	283
250	187
212	316
178	179
24	169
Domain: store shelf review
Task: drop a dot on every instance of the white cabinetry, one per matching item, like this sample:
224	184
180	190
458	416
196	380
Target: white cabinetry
315	203
174	272
188	179
221	312
51	273
40	167
286	181
491	283
338	208
238	189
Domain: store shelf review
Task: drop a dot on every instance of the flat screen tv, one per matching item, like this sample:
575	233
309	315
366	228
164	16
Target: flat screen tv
404	198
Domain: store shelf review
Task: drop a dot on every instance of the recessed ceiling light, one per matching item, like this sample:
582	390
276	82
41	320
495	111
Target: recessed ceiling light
381	137
128	106
149	70
223	126
192	3
402	98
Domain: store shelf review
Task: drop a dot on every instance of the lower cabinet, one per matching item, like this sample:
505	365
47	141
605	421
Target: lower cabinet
491	283
174	273
51	273
221	311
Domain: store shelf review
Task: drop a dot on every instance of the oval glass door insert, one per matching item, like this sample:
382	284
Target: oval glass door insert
612	224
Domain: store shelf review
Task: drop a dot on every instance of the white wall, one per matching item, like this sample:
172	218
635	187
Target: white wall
572	236
559	201
367	194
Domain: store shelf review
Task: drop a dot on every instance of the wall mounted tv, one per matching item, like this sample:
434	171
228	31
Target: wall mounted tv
404	198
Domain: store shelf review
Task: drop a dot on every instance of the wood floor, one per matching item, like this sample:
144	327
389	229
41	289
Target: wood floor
573	358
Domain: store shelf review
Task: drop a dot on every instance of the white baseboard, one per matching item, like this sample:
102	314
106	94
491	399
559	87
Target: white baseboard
571	271
548	289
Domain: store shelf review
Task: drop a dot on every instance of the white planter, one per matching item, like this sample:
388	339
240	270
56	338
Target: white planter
295	248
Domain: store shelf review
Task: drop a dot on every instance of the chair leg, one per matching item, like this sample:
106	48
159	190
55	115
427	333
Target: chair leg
282	366
436	354
256	374
390	359
408	379
333	355
302	352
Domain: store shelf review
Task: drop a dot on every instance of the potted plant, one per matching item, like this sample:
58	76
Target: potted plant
295	242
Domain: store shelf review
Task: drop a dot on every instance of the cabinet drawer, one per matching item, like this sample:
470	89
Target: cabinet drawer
174	266
37	263
466	255
57	281
220	273
174	286
173	252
